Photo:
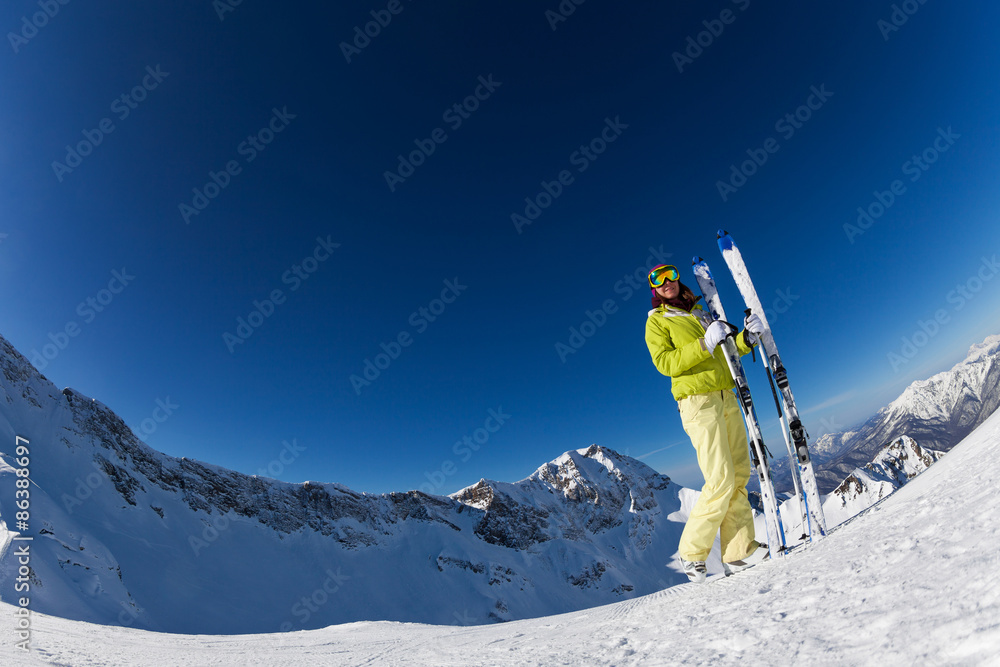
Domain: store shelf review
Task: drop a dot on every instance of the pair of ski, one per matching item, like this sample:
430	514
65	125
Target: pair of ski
804	479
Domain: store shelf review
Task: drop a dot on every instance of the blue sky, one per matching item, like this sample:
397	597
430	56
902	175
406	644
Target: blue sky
213	166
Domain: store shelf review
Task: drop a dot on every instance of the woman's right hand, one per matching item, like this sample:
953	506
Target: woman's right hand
715	334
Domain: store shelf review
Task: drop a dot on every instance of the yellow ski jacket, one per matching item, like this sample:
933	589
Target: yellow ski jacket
676	342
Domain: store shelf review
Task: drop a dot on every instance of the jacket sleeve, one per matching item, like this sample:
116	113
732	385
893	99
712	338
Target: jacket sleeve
670	360
741	343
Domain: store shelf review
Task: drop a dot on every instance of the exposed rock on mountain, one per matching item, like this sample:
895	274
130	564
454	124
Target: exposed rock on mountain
937	413
894	465
123	534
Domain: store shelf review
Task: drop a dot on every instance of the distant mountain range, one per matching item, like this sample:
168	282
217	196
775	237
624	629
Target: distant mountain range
124	535
936	413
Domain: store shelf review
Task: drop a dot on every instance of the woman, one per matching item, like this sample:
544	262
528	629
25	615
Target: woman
685	345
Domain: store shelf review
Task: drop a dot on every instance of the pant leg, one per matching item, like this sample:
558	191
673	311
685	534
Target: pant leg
703	417
737	530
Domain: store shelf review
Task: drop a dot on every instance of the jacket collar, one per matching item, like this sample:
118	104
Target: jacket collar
673	311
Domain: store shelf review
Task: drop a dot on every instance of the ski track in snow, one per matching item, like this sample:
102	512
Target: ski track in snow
913	580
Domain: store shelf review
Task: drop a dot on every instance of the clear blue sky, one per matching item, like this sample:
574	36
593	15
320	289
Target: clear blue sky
267	93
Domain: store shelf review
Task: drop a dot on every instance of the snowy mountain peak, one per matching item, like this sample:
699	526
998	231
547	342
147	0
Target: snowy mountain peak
935	396
895	464
132	536
937	413
21	379
135	537
989	347
604	489
579	475
927	557
583	472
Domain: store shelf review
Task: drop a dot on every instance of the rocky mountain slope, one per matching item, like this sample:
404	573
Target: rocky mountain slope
937	413
123	534
893	466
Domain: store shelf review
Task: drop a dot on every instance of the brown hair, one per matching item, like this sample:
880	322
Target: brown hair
685	300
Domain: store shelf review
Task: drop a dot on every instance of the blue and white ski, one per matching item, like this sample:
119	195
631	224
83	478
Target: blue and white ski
758	453
814	507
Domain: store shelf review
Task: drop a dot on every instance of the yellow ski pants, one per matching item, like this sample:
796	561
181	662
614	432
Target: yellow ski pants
714	423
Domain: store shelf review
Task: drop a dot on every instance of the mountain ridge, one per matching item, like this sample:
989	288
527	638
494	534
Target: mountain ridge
128	535
124	534
894	465
937	412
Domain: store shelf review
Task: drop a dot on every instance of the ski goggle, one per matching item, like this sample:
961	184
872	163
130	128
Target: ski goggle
661	274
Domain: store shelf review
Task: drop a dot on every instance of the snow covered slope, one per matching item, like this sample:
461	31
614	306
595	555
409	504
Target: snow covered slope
129	536
937	413
911	581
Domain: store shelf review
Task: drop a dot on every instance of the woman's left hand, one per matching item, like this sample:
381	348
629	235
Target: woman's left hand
753	324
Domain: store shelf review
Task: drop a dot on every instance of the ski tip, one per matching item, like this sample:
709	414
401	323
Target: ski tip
696	259
725	242
722	232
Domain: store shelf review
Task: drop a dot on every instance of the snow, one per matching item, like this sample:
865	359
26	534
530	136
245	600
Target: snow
937	396
913	580
126	535
937	412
